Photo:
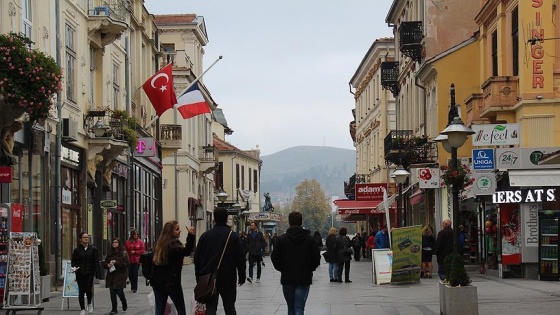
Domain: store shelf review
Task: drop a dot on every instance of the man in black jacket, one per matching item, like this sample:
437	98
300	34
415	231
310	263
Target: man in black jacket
232	268
444	246
255	246
296	255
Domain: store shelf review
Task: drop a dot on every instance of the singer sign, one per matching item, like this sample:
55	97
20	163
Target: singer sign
370	192
5	174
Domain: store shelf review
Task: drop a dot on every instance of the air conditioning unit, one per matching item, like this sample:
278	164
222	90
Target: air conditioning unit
69	130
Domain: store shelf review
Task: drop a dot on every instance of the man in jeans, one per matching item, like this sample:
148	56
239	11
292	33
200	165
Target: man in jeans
296	255
255	246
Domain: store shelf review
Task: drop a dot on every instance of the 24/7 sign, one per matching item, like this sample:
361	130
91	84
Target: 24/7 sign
483	159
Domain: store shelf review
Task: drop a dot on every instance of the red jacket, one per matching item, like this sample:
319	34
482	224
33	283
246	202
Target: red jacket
371	242
136	247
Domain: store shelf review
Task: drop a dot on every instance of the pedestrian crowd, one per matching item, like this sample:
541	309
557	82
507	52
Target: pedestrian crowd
295	254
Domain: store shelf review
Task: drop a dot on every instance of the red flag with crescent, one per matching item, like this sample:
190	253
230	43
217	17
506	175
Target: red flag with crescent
160	91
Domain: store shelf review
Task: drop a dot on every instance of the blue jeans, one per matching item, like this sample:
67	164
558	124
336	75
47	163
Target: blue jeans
333	271
296	296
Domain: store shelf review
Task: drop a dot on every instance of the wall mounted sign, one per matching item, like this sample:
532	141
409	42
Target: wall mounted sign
429	178
483	159
146	147
484	183
497	134
523	158
370	192
6	174
524	195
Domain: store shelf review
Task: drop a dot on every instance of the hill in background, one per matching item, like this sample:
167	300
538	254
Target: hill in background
282	171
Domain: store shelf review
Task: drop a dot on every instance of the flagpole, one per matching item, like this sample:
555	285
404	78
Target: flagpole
156	117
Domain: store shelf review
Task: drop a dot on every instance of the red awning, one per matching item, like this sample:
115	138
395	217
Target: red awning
357	207
416	197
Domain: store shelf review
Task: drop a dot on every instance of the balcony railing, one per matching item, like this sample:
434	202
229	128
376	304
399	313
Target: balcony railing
390	76
171	136
207	160
410	35
402	147
114	125
108	19
499	93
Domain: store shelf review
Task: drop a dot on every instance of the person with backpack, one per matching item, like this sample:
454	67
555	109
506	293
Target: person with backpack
167	265
116	263
134	248
85	261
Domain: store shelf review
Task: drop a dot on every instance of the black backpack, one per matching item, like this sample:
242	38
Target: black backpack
147	262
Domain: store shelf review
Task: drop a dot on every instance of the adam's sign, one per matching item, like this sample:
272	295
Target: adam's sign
370	192
524	195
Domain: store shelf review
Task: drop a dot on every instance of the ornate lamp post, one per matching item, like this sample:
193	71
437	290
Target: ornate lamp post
400	175
453	137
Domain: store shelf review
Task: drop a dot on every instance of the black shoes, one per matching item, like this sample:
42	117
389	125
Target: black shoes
113	312
134	291
333	280
339	281
124	306
249	279
347	281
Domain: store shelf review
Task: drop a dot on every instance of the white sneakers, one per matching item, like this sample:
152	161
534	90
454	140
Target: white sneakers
83	312
90	308
258	280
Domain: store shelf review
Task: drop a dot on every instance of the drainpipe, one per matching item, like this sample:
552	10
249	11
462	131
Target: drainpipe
130	178
58	154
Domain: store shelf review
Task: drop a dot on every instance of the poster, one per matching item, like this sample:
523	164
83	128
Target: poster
407	253
70	288
510	234
382	259
22	277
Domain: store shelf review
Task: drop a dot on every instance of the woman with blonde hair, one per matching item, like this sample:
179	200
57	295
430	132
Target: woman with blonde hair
428	243
168	263
330	254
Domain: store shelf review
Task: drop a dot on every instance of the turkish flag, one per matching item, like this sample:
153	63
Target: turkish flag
160	91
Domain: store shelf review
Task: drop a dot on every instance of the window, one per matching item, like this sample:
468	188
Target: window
242	176
255	180
250	181
237	177
27	18
495	53
92	61
70	63
116	87
515	40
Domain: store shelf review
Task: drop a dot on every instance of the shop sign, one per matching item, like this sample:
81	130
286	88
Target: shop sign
523	158
429	178
70	156
108	204
370	192
146	147
497	134
484	183
6	174
530	232
524	195
483	159
262	216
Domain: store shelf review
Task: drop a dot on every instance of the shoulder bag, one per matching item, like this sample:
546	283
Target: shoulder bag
205	287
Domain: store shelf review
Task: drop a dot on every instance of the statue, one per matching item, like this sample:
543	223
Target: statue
91	168
108	176
8	142
267	204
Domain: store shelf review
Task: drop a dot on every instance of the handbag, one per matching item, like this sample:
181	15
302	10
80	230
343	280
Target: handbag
205	287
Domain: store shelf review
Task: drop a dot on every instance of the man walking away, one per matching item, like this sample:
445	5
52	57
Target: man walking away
255	246
444	246
207	257
382	238
296	256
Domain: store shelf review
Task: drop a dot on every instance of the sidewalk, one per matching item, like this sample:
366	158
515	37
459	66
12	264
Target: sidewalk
495	296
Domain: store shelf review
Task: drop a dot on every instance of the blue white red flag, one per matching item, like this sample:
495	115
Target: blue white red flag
192	103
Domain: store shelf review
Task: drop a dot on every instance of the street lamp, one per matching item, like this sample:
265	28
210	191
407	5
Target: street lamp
456	133
222	195
99	129
400	175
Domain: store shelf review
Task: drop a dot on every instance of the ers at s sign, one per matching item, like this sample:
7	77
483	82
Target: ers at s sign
524	195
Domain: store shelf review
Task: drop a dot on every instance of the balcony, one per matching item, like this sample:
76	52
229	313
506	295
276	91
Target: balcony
499	94
107	20
474	104
410	38
402	147
207	161
171	136
390	76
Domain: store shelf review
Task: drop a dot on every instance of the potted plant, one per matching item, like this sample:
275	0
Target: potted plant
125	125
457	176
29	79
457	295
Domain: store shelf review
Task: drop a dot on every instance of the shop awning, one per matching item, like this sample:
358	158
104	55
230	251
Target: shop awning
534	178
357	207
416	197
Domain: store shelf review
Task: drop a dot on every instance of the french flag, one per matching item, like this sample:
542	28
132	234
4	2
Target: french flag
192	103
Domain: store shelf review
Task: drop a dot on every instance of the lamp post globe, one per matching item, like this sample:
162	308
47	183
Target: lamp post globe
400	175
444	142
457	133
222	195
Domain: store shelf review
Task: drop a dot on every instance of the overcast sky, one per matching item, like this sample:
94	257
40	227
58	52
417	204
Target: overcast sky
283	81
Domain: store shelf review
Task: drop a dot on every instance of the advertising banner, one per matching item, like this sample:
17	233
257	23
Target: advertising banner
429	178
523	158
511	234
382	259
495	134
484	183
407	253
370	192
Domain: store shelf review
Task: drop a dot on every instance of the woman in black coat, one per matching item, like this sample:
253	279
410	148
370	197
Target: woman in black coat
428	243
85	260
344	254
116	264
331	254
168	263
